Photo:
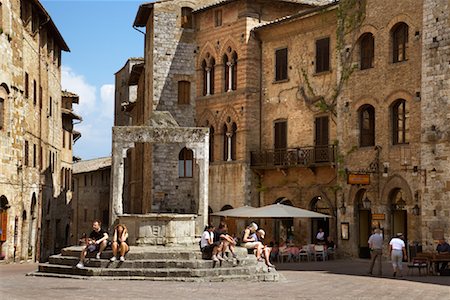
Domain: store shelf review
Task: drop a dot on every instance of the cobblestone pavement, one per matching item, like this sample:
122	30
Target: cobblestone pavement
340	279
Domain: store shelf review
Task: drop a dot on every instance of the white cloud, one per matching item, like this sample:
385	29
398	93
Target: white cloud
107	92
97	112
77	84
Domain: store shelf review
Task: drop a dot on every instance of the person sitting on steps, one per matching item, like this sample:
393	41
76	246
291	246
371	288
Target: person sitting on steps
250	240
266	249
225	239
120	242
209	248
98	240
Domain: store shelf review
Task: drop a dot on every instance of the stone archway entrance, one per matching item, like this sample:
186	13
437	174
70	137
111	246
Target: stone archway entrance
399	217
363	222
283	227
318	204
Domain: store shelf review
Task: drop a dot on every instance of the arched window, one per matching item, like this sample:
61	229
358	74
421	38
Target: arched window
233	141
234	73
225	142
211	144
366	126
208	65
400	132
399	42
185	163
367	49
186	17
230	70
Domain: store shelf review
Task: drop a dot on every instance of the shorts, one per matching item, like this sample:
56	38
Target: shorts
93	247
251	245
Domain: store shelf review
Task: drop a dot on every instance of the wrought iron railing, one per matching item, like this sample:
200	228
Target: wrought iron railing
293	157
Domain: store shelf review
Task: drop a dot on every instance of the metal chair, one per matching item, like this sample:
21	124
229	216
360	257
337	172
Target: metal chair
419	264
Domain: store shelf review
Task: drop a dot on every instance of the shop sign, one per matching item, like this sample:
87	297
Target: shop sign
378	216
361	179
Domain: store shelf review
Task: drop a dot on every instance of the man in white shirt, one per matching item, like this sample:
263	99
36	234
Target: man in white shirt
320	236
397	251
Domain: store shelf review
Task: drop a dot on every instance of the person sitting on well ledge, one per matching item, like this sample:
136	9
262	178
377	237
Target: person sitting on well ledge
120	242
208	247
98	240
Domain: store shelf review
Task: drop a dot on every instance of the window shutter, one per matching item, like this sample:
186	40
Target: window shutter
281	64
323	55
280	140
322	137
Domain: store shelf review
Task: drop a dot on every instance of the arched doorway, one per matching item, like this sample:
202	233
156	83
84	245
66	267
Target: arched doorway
4	205
33	227
24	236
283	228
318	204
363	221
399	215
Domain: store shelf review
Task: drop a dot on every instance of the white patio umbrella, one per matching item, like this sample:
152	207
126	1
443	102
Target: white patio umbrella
232	212
275	211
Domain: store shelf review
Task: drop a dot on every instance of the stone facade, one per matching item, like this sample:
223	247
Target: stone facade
31	140
302	172
91	194
377	157
435	128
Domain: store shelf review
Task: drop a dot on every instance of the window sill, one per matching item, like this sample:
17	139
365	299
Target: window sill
280	81
399	62
323	73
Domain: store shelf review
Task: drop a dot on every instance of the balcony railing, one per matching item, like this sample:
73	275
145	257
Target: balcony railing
293	157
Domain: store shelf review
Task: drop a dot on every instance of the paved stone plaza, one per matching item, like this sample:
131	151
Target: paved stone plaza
340	279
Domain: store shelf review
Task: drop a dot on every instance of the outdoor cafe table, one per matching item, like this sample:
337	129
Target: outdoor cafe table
435	259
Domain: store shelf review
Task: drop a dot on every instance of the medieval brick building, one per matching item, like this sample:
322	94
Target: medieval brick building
352	125
36	133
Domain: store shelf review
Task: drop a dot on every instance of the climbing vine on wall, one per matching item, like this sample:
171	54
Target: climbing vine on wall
350	15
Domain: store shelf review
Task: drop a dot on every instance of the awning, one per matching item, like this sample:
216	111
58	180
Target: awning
273	211
232	212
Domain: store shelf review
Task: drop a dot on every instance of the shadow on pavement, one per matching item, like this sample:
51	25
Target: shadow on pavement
360	267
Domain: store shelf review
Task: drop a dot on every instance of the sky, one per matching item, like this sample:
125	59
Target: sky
101	38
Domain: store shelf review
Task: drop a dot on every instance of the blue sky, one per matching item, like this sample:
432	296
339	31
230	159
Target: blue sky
101	38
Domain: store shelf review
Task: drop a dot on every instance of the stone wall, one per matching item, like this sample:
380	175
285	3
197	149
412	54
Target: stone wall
30	184
435	129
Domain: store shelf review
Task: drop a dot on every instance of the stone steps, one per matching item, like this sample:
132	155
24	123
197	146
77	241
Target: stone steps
156	263
150	263
147	272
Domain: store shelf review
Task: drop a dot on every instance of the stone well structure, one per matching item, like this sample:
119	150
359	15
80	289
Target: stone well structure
149	228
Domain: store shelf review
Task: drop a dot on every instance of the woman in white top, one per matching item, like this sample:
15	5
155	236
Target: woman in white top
397	251
251	240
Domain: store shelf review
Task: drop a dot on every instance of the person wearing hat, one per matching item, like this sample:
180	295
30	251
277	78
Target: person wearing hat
397	251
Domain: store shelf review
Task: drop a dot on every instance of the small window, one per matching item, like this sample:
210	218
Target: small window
367	46
208	70
186	17
184	92
34	92
399	42
218	18
280	135
41	158
366	126
64	138
26	154
185	163
50	106
2	112
40	97
211	144
26	83
34	155
323	55
400	130
281	64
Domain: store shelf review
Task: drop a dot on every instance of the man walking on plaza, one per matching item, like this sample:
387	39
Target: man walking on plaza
376	250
